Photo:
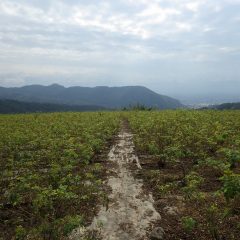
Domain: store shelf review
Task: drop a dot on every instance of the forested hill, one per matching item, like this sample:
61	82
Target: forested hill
13	106
227	106
107	97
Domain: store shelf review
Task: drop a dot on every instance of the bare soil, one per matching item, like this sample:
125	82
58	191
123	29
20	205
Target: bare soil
129	212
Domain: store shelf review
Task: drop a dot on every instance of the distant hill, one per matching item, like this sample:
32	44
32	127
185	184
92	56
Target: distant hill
107	97
227	106
13	106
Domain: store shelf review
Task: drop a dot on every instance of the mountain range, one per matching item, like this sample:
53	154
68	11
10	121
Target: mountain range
99	97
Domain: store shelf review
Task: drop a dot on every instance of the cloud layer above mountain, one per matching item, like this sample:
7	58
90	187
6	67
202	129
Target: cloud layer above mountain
192	46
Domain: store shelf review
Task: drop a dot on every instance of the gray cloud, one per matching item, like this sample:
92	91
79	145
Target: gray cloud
183	48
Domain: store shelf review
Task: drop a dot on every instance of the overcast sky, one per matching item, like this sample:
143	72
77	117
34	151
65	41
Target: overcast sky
183	48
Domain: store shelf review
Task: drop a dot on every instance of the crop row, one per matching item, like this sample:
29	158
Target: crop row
191	163
49	183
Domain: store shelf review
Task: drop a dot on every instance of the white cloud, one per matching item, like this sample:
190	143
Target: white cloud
193	6
96	17
227	49
125	39
184	26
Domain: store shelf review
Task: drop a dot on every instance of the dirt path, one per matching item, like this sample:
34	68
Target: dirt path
130	213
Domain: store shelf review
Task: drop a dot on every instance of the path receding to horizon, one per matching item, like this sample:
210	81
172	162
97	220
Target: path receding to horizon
130	213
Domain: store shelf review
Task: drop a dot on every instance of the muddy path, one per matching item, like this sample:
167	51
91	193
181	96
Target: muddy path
129	214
